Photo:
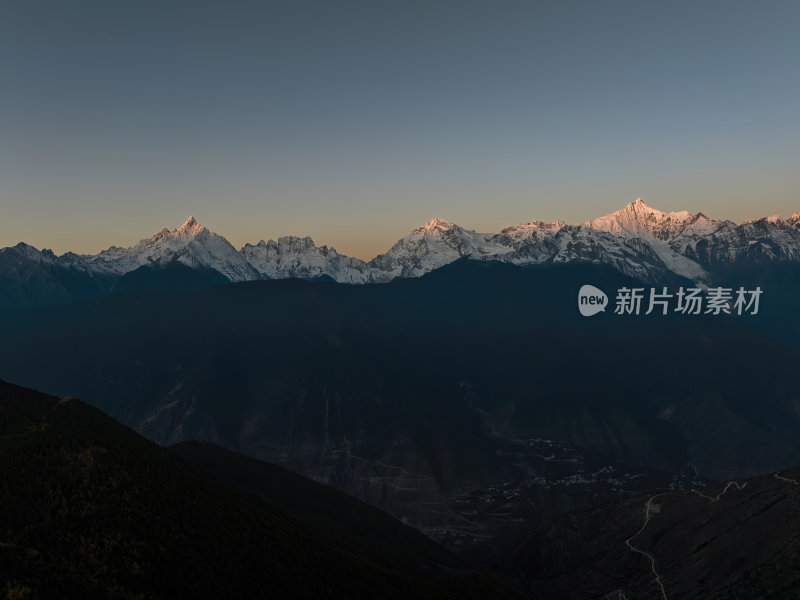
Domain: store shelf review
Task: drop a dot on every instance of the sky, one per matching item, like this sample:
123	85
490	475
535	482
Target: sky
354	122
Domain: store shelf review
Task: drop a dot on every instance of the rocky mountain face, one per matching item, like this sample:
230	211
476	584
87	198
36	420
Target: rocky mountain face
296	257
432	246
638	241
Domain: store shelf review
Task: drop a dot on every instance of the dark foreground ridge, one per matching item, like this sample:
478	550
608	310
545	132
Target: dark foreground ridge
93	510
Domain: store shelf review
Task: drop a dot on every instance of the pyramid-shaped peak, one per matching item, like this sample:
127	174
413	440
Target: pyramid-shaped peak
186	232
25	247
190	223
436	224
640	220
639	206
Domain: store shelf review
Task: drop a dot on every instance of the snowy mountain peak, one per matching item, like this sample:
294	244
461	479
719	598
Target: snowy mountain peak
431	246
640	220
26	248
639	209
191	245
532	228
698	226
435	225
34	254
190	224
174	237
795	218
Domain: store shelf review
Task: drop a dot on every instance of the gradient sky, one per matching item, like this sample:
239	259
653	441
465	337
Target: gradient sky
353	122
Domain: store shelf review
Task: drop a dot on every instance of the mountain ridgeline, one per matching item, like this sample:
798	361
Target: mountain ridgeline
638	241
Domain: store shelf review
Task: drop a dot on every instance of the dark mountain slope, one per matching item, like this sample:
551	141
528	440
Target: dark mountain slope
726	541
92	510
343	521
172	276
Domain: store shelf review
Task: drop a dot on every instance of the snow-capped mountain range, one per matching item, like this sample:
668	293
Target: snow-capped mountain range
637	240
